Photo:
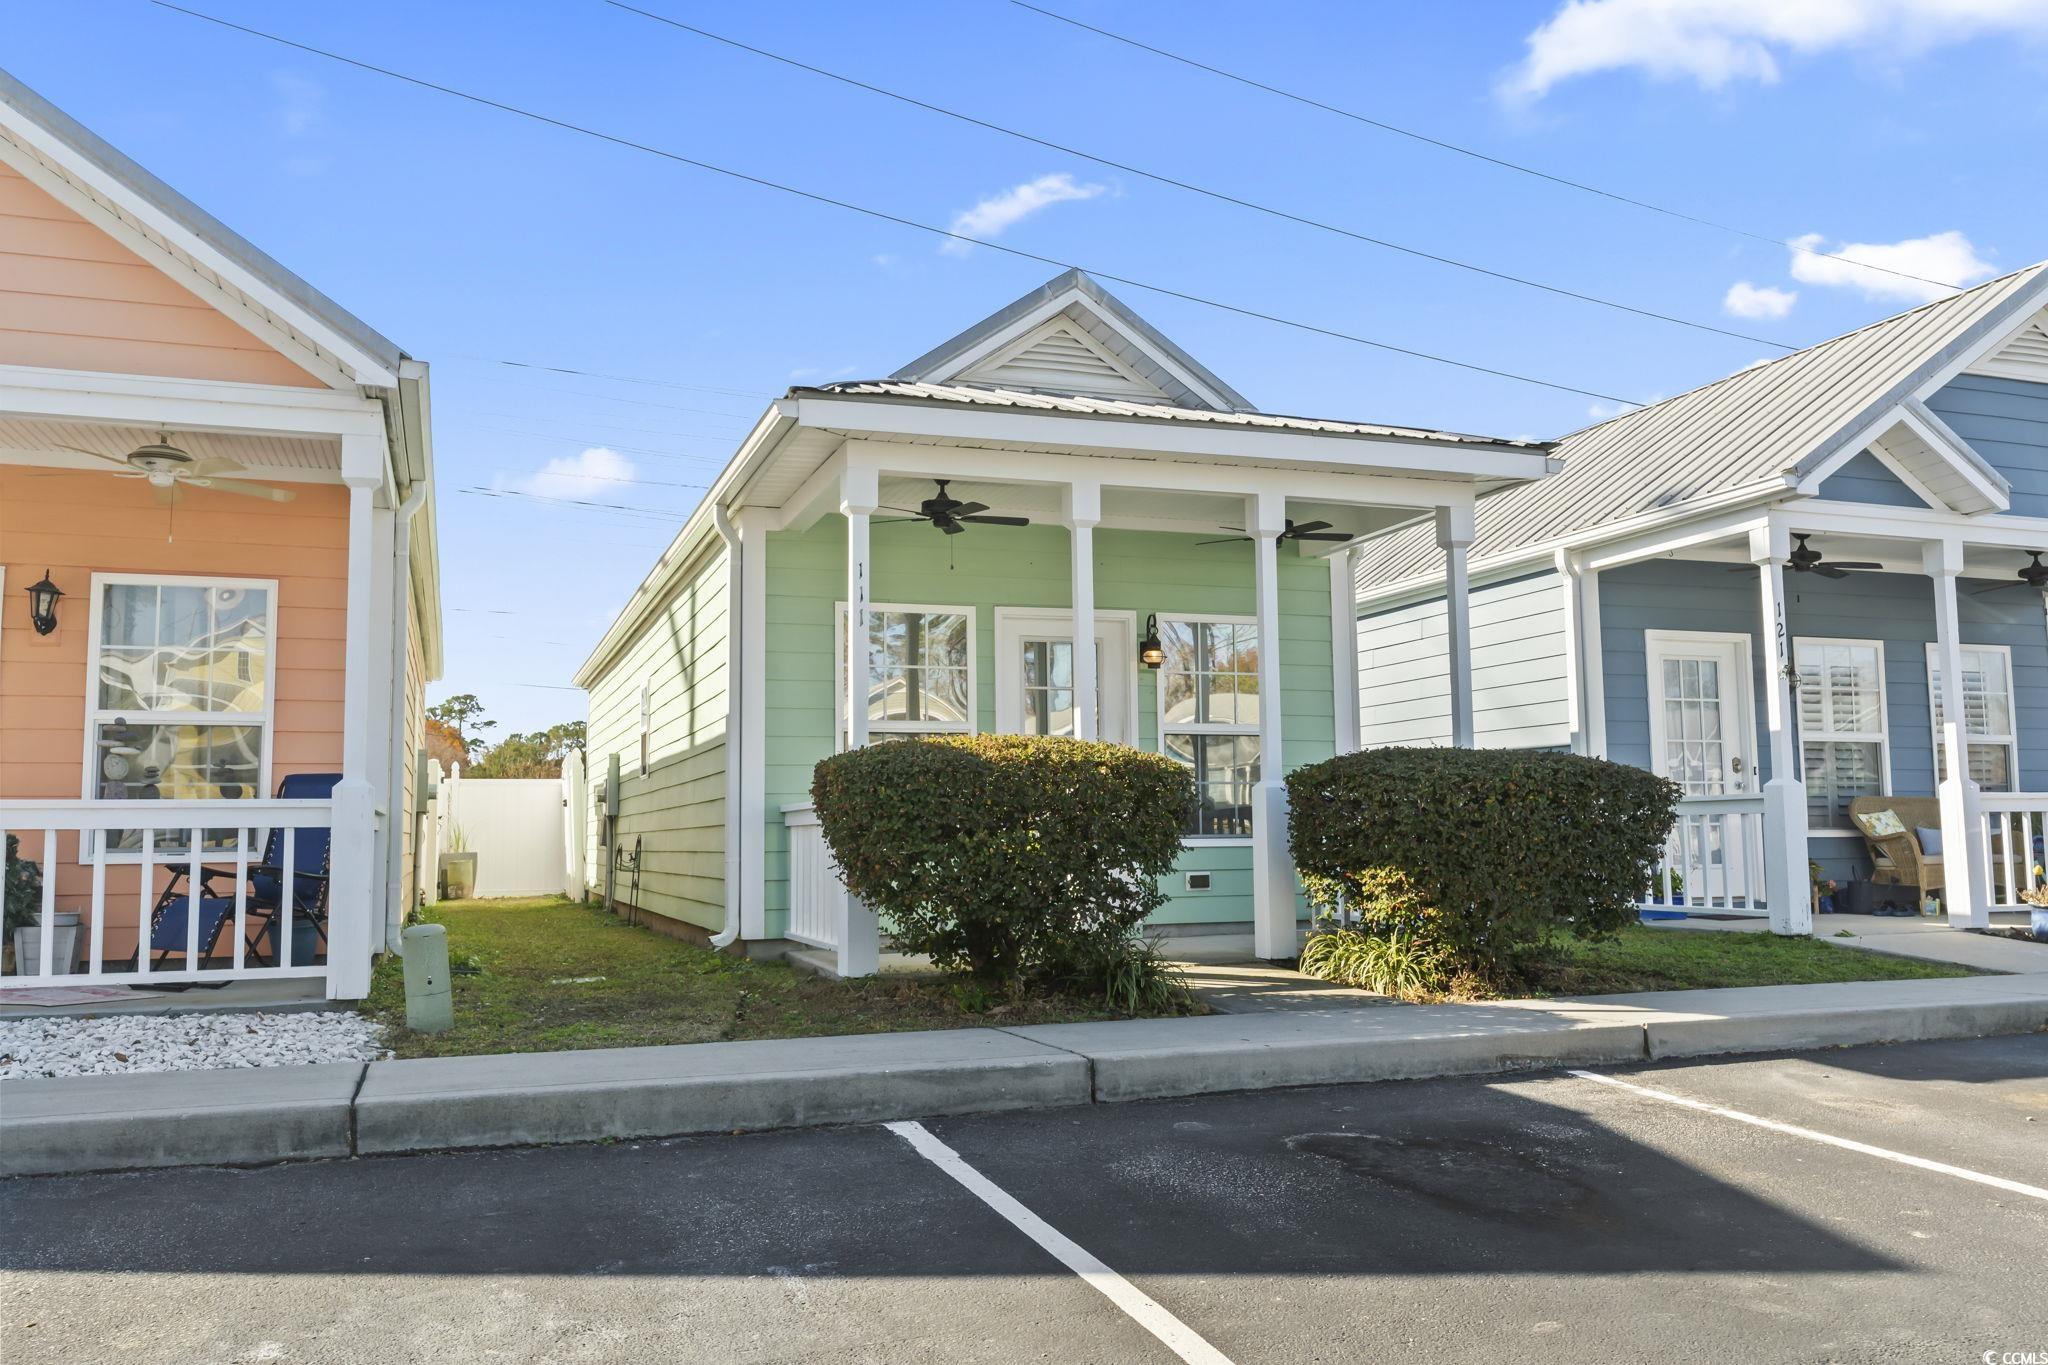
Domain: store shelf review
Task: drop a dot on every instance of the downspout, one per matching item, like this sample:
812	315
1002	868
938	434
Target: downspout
735	699
401	762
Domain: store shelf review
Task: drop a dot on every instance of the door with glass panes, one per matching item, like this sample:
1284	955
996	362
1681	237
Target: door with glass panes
1703	738
1035	673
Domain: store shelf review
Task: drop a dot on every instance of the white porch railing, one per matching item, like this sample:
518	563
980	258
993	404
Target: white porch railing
1714	857
2014	824
93	918
816	897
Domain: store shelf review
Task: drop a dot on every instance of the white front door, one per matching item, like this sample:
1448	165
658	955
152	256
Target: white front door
1035	673
1703	737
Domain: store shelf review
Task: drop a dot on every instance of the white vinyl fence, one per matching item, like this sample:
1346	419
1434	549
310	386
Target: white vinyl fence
519	829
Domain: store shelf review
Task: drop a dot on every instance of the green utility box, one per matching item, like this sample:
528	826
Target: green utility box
429	996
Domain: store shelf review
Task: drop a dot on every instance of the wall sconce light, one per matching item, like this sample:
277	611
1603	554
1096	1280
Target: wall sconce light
1150	652
42	604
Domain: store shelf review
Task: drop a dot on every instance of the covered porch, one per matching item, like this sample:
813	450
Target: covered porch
1844	693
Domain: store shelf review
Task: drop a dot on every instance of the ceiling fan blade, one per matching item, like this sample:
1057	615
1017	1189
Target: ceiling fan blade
906	511
948	525
1854	564
968	509
993	521
1227	540
216	464
1743	568
1302	530
1999	587
1829	571
246	490
1319	535
899	521
110	459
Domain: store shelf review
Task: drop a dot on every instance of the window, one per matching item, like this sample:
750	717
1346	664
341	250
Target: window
1987	715
920	671
1209	718
646	728
181	692
1841	726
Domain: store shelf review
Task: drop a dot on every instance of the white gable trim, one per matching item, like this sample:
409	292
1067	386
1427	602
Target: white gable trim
970	358
103	200
2024	354
1972	358
1934	462
1133	385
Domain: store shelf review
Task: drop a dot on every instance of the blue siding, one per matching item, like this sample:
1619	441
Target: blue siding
1667	594
1865	479
2005	421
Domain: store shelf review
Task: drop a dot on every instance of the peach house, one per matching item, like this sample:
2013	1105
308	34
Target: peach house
219	596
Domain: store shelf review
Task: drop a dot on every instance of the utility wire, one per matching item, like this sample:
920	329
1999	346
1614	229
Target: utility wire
658	514
1193	188
528	364
880	215
1476	155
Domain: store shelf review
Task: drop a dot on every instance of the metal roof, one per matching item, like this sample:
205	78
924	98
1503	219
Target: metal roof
1755	428
978	396
175	206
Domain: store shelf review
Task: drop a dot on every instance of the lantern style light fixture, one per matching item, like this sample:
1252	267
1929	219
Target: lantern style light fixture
1150	652
42	604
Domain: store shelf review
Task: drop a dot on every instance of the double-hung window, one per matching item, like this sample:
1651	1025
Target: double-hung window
1841	726
920	671
1988	724
1209	717
182	683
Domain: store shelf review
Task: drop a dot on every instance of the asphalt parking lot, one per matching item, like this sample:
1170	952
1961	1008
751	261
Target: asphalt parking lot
1544	1217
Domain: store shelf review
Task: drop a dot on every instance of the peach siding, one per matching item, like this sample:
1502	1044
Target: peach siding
77	524
73	298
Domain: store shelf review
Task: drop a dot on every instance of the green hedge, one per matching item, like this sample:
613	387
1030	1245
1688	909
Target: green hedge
1009	856
1485	851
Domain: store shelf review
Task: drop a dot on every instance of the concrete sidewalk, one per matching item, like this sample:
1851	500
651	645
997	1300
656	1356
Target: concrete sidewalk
256	1116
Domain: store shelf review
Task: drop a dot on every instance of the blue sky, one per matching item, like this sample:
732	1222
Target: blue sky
472	238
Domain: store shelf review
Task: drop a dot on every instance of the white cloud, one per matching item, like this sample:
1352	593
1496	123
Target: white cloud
598	470
1715	43
1905	267
299	103
993	215
1746	300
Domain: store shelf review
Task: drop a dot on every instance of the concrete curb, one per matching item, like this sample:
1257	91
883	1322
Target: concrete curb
253	1117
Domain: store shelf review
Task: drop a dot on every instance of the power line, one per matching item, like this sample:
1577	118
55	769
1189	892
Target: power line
602	426
653	514
621	449
1193	188
882	216
613	378
1476	155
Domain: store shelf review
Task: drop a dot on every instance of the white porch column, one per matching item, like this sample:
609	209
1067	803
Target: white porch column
1964	894
354	929
1786	885
860	951
1344	647
1454	535
1585	679
1275	933
1084	510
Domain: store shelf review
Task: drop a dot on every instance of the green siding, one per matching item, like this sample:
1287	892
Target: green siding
1136	571
678	809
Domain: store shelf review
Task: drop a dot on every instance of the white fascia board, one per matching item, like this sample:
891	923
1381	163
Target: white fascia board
81	181
187	404
1439	460
2020	311
1987	482
1913	523
774	425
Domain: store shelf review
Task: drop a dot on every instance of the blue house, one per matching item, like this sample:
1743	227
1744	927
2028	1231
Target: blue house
1809	592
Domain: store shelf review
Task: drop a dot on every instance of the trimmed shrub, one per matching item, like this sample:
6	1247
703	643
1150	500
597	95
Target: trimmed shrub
1011	857
1486	852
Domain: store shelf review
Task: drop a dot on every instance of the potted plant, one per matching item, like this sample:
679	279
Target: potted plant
24	913
458	867
1824	889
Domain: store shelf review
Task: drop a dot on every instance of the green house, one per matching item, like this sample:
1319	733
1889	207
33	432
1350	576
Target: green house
935	536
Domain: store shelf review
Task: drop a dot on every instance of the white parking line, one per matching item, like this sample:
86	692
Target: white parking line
1143	1309
1846	1144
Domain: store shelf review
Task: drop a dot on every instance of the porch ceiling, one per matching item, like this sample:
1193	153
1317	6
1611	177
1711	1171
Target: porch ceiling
62	445
1898	554
1136	508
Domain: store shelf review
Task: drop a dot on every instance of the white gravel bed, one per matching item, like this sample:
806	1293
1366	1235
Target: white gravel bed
102	1045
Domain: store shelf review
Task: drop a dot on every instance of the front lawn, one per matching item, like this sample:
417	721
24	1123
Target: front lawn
1641	958
550	975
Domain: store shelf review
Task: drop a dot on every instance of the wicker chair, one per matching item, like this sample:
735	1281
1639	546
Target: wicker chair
1896	859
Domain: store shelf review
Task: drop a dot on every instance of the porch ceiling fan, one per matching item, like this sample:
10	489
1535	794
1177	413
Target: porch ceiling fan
2034	575
1305	530
950	514
170	470
1805	559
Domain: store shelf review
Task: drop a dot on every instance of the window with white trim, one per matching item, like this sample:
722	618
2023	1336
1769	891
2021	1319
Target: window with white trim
1841	726
920	671
646	728
1209	717
182	681
1988	724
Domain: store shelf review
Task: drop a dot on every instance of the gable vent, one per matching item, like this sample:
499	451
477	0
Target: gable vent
2025	356
1059	361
